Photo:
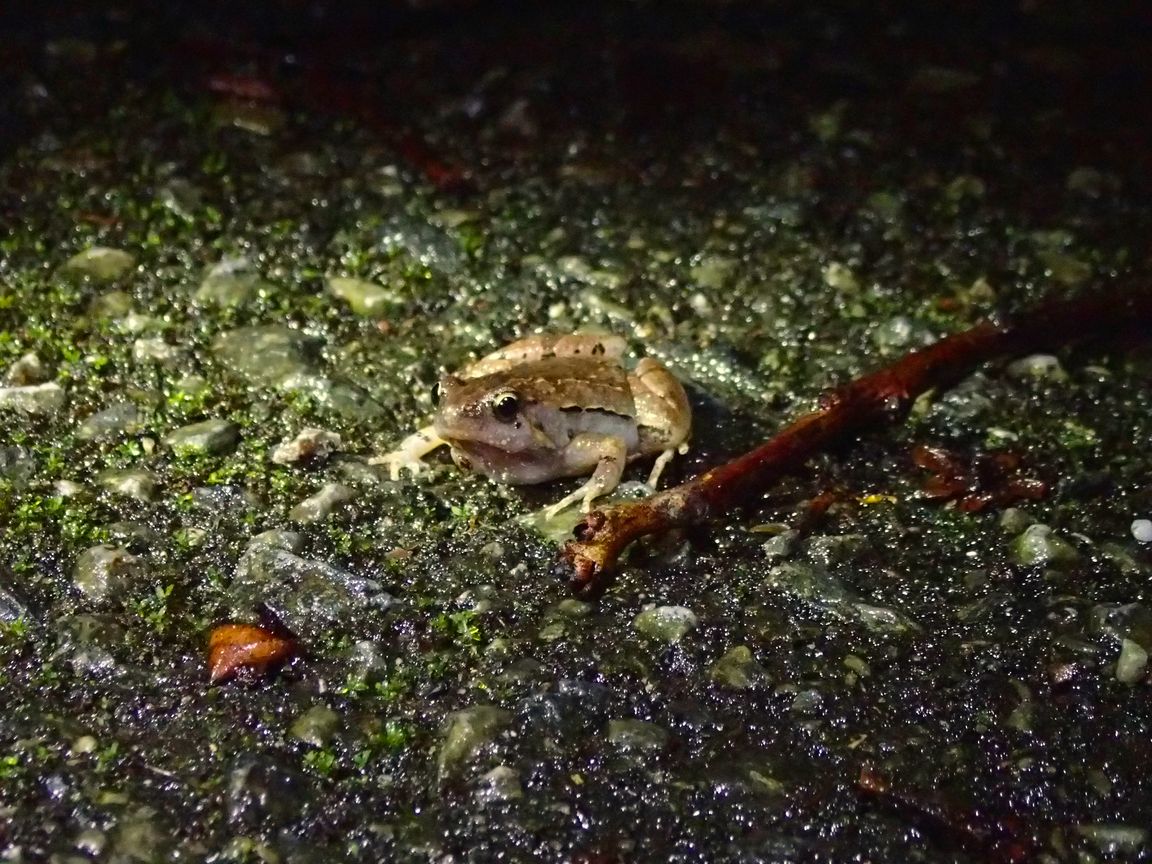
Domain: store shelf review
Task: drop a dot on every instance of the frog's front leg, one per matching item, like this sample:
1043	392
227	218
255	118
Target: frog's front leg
608	453
411	450
663	415
597	346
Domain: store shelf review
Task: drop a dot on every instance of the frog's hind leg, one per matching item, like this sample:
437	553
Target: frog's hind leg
610	454
662	462
662	414
601	346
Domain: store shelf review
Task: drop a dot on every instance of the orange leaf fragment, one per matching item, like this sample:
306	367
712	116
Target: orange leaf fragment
233	647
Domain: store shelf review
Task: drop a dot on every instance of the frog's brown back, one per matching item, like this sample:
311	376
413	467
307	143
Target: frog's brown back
572	383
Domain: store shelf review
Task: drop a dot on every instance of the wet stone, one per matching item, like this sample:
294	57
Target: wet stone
310	445
1039	545
500	784
1132	664
322	504
838	549
312	598
27	370
16	465
367	299
738	669
103	573
1142	530
113	305
141	837
1038	367
131	483
316	726
666	623
208	437
637	737
466	733
35	399
269	356
1015	520
156	350
260	788
137	536
87	642
110	423
1113	839
231	282
224	499
11	606
782	546
290	541
100	263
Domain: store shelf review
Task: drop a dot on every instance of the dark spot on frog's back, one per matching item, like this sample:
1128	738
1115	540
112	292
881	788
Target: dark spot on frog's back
598	348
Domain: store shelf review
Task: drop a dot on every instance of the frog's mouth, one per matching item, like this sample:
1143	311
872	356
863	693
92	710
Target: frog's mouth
499	464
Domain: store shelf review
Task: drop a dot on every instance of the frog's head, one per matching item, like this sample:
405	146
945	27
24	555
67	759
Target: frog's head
492	426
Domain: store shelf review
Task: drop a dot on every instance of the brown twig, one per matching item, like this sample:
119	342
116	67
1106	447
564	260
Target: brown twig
875	400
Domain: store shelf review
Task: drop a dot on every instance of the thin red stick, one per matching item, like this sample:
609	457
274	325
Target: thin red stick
878	399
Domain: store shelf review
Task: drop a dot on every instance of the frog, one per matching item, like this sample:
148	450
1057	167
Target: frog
551	406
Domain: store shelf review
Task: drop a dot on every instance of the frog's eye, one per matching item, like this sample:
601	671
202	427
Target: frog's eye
505	407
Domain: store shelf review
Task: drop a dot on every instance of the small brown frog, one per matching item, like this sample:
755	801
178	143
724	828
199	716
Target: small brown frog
552	406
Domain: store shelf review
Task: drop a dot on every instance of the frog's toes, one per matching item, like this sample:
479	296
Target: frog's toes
398	462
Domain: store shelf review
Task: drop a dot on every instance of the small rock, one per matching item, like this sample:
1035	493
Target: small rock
310	444
231	282
1039	545
316	726
1142	530
830	549
87	641
467	732
840	277
261	789
209	437
106	572
312	598
738	669
141	838
110	423
16	465
268	356
100	263
667	623
364	298
320	506
1038	366
131	482
156	350
1132	663
29	369
290	541
224	499
37	399
1015	519
637	737
1113	839
781	546
114	305
500	784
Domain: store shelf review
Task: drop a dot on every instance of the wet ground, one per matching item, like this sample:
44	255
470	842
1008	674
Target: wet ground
222	226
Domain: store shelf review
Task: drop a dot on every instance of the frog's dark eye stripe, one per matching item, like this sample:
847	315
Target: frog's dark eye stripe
436	393
505	407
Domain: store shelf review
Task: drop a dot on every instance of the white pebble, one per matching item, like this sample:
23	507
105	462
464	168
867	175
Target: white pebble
1142	530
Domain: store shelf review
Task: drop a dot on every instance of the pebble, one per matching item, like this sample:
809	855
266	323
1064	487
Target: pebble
467	732
1142	530
321	505
209	437
310	444
35	399
667	623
